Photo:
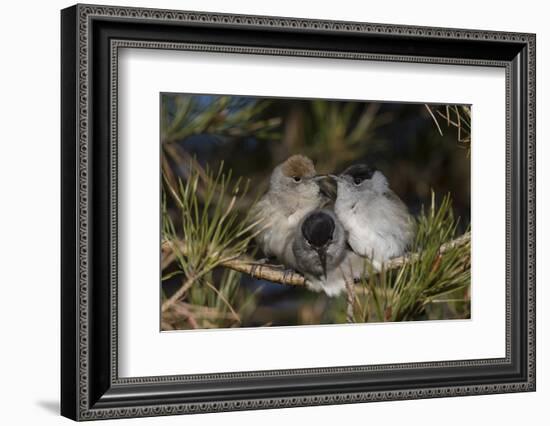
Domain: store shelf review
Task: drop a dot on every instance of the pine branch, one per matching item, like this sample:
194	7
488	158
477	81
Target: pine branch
350	300
271	273
243	264
397	262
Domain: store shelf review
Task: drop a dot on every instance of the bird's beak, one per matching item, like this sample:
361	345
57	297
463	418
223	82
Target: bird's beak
326	186
336	177
322	253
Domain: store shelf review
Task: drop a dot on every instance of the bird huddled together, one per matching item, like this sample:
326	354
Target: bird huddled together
327	238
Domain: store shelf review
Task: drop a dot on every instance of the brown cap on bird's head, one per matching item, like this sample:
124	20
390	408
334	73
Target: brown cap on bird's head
298	166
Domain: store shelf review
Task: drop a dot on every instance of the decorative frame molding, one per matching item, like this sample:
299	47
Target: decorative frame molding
91	37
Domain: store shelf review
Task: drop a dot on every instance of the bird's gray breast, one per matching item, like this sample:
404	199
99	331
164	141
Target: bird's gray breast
377	228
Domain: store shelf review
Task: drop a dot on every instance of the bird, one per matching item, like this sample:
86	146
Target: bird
322	254
377	222
293	192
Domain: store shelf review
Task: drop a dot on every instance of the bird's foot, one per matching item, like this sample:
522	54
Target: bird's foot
287	275
258	265
271	261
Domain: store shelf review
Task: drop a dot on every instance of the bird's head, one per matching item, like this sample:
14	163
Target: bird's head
298	167
318	231
361	179
320	243
295	182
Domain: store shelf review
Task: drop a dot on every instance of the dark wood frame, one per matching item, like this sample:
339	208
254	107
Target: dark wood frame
90	386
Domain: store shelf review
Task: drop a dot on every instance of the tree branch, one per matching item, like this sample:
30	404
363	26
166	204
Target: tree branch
271	273
242	264
397	262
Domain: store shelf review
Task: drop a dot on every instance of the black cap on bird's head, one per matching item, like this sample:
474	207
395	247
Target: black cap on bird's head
318	230
358	173
355	174
362	178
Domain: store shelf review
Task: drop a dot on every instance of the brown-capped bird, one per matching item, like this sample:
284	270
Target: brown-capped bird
293	192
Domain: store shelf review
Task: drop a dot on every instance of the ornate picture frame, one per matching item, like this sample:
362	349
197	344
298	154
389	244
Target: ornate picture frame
91	37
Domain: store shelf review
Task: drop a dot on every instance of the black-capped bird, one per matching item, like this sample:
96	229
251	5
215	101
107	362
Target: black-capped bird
377	222
322	254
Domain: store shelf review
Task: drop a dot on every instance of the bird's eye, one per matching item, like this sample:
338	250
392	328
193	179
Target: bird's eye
357	181
296	178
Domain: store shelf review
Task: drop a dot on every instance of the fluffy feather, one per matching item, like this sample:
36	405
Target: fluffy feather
284	205
342	265
377	221
298	166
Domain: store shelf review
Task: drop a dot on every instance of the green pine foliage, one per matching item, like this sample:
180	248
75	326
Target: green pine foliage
213	232
182	118
431	284
206	213
429	277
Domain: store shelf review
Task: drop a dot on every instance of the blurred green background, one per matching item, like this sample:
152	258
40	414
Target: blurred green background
418	147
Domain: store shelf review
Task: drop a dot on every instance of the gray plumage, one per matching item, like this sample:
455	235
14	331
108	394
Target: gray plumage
293	192
322	254
376	220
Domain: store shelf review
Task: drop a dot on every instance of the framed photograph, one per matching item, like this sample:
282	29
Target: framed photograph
263	212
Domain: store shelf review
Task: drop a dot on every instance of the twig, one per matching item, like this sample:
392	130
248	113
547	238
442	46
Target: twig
270	273
434	119
247	266
350	293
178	294
182	311
225	301
397	262
164	326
